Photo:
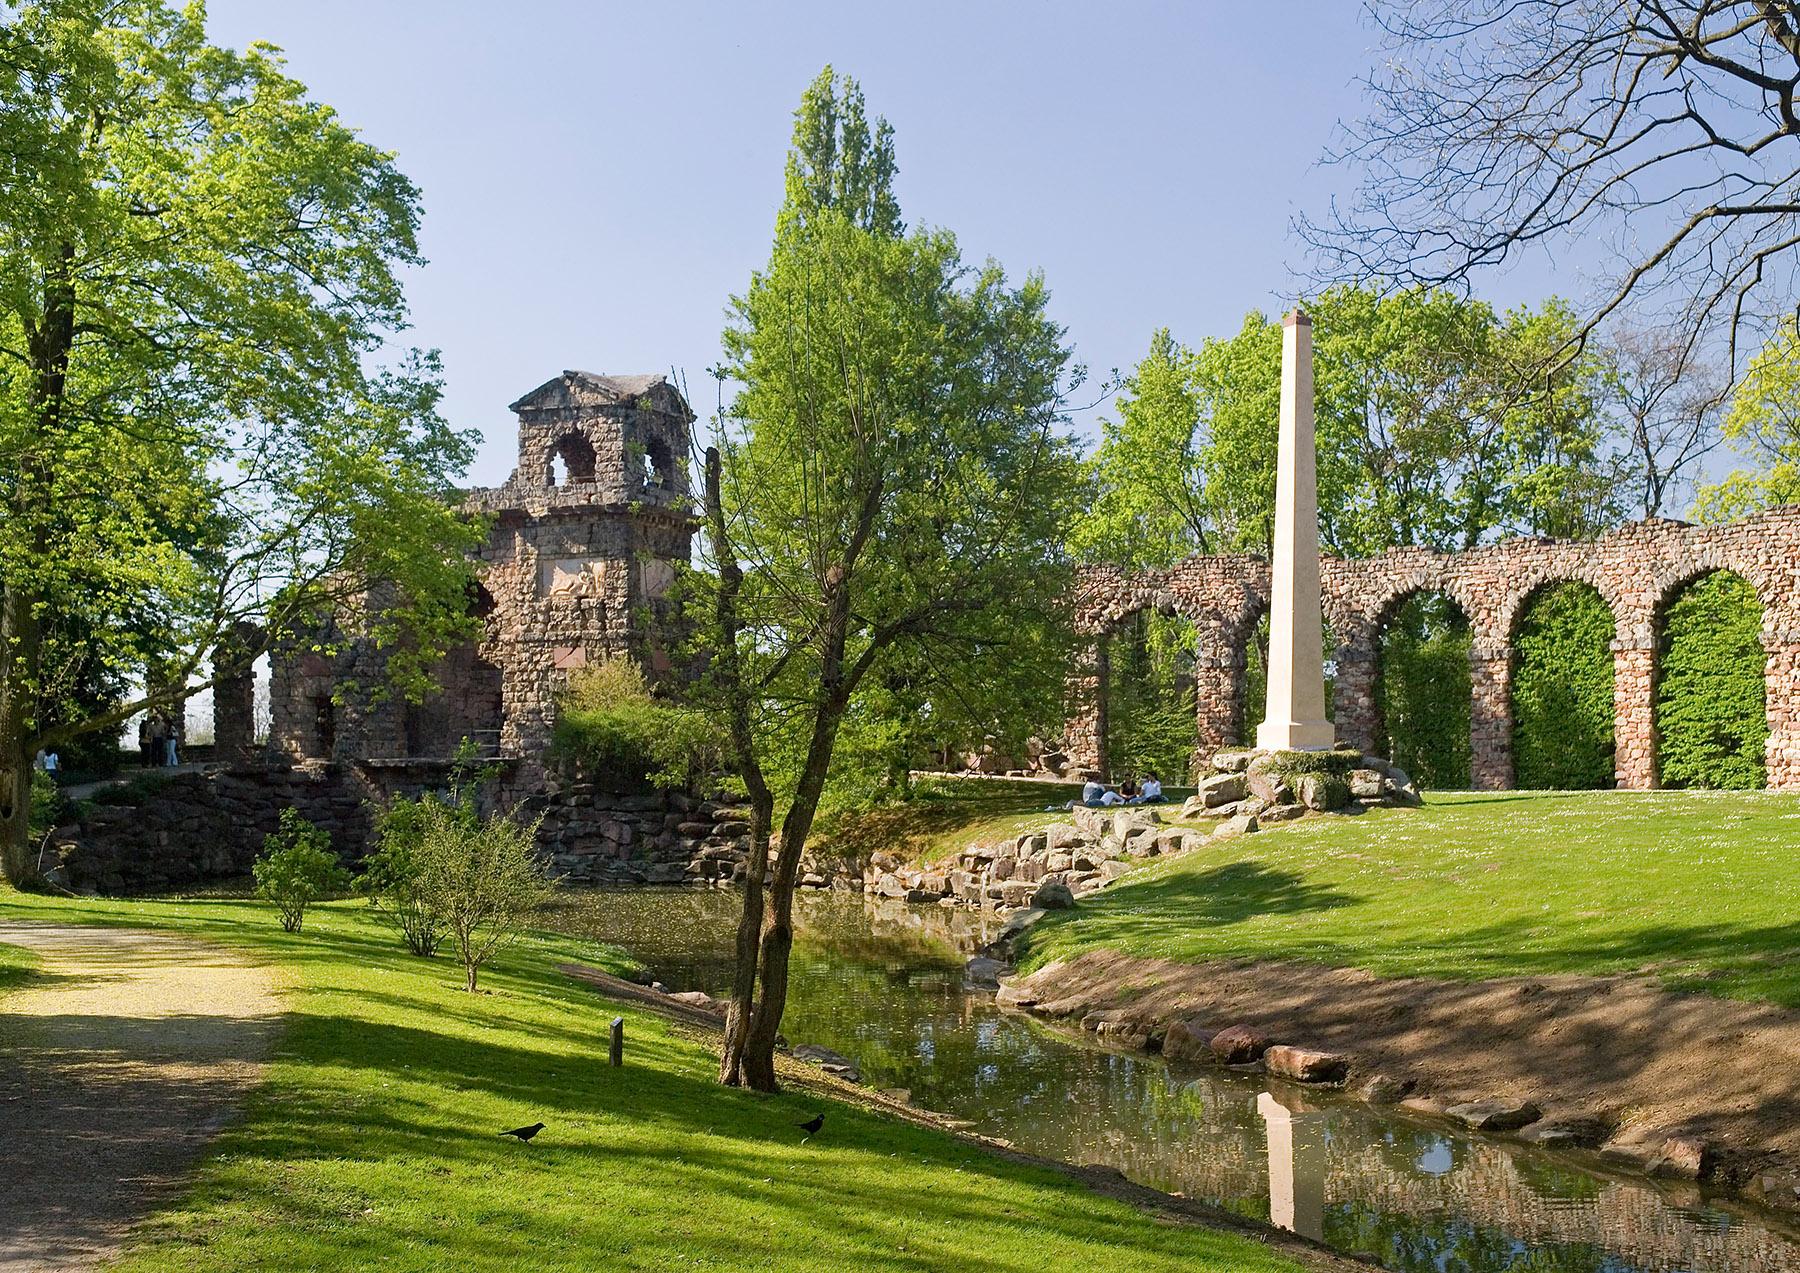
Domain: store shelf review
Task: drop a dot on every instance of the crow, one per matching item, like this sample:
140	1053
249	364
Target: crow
811	1126
525	1133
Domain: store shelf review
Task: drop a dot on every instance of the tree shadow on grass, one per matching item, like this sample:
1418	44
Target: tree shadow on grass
647	1164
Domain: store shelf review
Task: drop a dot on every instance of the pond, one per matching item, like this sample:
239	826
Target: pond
883	984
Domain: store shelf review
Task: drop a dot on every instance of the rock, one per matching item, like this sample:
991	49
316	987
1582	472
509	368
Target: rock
1266	784
1243	824
698	999
812	879
1143	843
1495	1115
1003	868
1193	807
983	972
835	1064
1030	870
1683	1158
1323	792
1306	1065
1053	896
1579	1133
1221	789
1092	823
1282	813
1366	784
1113	870
1175	840
1016	924
1034	843
1235	760
1017	892
1127	823
889	885
1237	1044
1188	1040
1012	994
923	896
1384	1089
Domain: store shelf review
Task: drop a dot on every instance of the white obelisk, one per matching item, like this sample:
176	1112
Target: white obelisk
1295	719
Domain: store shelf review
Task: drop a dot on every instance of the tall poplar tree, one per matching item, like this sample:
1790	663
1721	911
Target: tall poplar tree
894	476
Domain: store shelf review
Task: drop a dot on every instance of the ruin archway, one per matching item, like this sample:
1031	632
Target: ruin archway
1149	670
571	460
1563	732
1424	688
1711	713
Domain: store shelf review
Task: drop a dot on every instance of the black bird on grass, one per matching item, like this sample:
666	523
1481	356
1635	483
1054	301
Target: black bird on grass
525	1133
811	1126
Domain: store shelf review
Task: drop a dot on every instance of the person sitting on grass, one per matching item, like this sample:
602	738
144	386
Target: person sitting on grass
1151	791
1095	795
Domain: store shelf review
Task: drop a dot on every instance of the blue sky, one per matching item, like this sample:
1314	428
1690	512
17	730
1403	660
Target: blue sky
598	178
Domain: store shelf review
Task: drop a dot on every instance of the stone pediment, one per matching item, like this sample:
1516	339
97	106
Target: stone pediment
576	389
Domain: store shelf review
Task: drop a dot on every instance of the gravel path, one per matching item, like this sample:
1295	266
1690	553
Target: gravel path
116	1067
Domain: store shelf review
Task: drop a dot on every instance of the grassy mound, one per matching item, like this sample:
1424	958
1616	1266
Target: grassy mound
373	1143
1696	887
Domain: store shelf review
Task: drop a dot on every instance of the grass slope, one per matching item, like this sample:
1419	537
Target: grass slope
372	1143
1699	887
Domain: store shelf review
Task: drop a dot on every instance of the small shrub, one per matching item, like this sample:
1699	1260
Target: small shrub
132	793
1562	690
47	805
390	878
484	879
297	868
1711	721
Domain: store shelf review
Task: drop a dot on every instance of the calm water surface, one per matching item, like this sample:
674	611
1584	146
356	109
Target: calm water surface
883	984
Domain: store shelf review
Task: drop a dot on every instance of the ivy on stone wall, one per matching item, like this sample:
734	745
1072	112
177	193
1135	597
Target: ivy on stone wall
1423	691
1710	718
1150	698
1562	690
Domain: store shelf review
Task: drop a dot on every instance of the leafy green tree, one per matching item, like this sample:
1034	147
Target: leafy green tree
1423	691
1150	698
1762	425
202	420
1562	690
297	868
895	474
1711	721
1149	506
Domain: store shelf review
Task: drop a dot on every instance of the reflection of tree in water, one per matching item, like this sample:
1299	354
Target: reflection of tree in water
884	986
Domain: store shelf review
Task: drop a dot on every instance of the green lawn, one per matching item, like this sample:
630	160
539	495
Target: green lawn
1703	888
372	1144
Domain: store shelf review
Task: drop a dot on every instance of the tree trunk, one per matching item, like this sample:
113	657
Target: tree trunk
469	981
19	636
726	629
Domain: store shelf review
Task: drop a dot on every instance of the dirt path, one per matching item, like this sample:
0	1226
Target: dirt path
116	1067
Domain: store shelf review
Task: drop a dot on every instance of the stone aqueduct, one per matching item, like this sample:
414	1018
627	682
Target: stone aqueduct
1636	569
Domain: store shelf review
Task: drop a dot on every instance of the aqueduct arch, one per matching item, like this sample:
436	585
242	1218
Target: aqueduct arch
1634	569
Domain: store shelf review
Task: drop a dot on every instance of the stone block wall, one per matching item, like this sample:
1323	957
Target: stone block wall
1637	569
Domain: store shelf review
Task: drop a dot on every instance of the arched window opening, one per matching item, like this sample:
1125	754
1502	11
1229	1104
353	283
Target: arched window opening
1562	690
324	714
1711	716
1423	691
571	460
1150	697
1256	677
659	466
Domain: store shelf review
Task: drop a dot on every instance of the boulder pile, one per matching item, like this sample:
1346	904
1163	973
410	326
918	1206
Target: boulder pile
1049	868
1277	786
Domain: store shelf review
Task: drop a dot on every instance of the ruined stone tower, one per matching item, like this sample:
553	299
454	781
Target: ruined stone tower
585	539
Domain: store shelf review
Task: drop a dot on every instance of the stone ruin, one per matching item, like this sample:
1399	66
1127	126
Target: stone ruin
587	534
1637	569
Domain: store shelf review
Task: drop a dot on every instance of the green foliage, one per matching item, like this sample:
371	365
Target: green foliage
47	804
1150	726
1562	690
204	416
898	454
1291	766
1440	422
391	874
1710	719
483	879
297	868
1763	426
1424	692
621	737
